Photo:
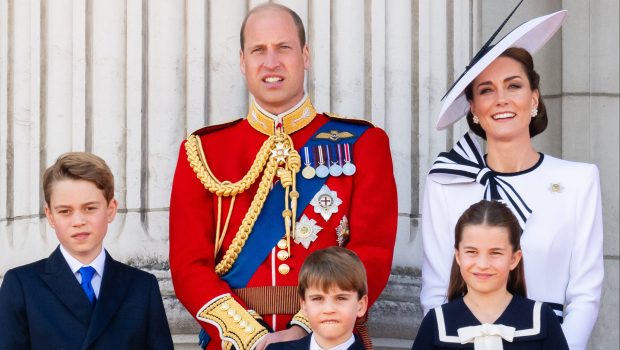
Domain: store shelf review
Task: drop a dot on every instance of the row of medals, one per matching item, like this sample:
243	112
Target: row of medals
321	171
336	168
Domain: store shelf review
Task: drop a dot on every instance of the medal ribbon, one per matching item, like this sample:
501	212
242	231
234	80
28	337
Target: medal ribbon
329	158
306	156
347	153
321	159
339	154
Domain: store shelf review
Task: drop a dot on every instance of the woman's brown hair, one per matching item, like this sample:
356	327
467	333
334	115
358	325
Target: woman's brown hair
494	214
537	124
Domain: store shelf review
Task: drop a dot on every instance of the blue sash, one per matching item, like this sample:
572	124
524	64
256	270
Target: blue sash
269	226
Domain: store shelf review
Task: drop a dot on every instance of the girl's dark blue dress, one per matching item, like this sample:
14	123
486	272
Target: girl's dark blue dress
536	326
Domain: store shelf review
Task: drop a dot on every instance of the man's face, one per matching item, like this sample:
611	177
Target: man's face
273	61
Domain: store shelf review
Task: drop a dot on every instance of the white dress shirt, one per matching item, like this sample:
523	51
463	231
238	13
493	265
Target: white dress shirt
98	264
344	346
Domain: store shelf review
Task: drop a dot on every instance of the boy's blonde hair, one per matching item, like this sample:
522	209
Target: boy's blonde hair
79	166
333	266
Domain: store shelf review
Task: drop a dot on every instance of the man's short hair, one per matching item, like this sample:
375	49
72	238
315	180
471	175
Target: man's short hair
301	32
79	166
330	267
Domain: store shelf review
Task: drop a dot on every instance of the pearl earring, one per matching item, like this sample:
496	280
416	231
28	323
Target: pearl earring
534	112
475	119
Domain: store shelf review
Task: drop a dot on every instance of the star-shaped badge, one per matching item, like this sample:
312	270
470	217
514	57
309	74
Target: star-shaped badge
306	231
280	153
326	202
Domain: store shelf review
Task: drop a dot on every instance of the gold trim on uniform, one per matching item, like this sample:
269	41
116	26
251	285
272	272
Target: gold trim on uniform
293	120
284	269
301	320
282	255
235	324
284	167
282	244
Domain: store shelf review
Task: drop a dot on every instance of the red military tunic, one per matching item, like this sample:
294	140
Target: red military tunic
368	201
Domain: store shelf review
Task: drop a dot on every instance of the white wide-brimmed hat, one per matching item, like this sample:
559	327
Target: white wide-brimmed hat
531	36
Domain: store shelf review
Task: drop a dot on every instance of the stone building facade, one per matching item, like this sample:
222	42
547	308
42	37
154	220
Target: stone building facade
129	80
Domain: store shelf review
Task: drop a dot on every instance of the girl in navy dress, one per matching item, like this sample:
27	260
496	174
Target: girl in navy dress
487	308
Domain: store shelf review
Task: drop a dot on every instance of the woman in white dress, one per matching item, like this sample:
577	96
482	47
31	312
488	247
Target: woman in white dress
557	202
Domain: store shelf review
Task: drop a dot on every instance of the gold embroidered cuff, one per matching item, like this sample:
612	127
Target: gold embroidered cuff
302	321
235	324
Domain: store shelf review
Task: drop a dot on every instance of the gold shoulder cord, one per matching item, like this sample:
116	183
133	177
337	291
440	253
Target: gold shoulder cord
277	156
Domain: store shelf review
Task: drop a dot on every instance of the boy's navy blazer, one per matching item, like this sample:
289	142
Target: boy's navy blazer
304	343
42	306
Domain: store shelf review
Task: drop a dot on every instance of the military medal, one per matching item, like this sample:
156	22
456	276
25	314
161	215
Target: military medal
308	172
342	231
334	169
306	231
280	153
321	171
326	202
348	168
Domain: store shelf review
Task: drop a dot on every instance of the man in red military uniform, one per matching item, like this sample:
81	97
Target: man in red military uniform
252	198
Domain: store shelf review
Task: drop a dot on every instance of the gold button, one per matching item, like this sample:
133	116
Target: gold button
284	269
282	255
282	244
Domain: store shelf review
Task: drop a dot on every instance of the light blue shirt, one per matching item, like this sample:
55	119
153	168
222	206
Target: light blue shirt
98	264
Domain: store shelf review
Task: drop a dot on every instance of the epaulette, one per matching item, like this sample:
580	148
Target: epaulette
216	127
349	119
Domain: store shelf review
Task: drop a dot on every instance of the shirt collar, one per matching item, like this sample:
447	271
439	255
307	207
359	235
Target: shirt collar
74	264
343	346
290	121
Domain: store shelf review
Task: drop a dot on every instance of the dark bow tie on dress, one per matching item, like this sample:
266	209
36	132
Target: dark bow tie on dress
465	163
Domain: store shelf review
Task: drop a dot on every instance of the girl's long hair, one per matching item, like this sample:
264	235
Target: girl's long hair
494	214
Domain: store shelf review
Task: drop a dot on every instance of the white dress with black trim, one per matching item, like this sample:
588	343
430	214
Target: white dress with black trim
525	324
562	241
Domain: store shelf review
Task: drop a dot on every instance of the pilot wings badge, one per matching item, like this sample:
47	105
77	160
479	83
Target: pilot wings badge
334	135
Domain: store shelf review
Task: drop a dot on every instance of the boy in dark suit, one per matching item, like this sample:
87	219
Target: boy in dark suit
333	293
79	297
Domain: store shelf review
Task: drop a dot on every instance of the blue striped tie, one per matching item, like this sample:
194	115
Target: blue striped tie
87	273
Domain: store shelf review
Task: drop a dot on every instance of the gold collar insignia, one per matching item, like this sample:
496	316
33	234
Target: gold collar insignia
292	120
